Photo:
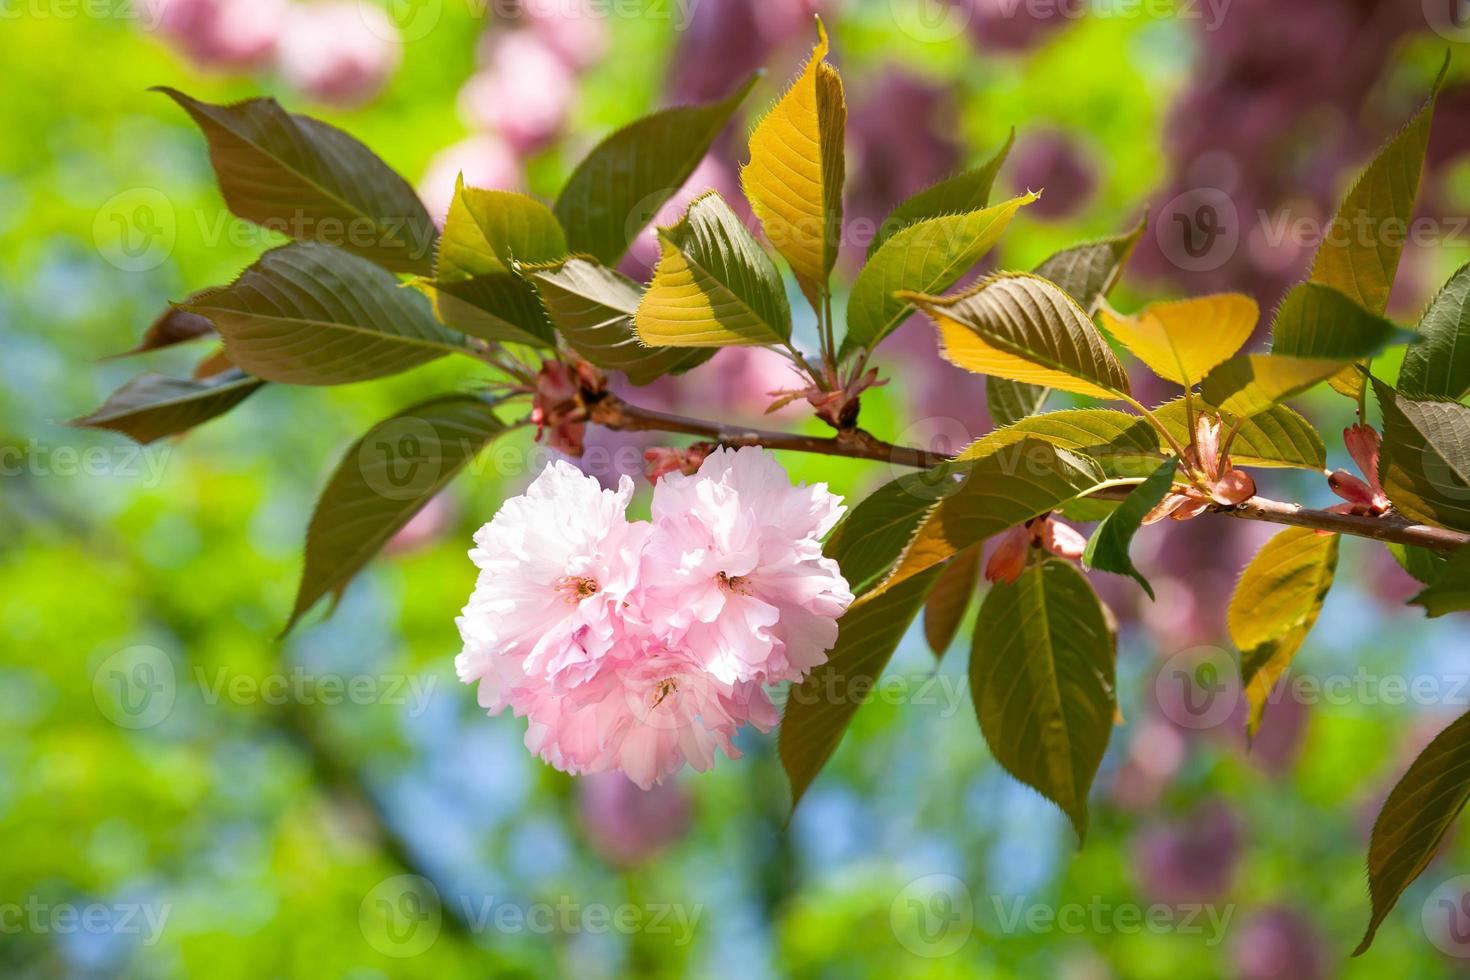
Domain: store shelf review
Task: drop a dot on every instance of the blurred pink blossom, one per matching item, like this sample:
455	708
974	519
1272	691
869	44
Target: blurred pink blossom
340	53
485	161
571	28
525	91
1192	860
628	825
1278	943
223	35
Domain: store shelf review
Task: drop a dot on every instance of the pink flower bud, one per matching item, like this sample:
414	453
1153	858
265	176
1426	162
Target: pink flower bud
557	407
1062	540
1235	487
1008	560
1362	446
1350	488
663	460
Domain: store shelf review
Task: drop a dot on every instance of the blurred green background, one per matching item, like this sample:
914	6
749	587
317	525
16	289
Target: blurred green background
183	795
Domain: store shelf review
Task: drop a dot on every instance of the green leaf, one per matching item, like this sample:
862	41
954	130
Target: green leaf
949	601
1450	590
316	315
1415	818
1424	464
960	194
796	171
714	285
1182	340
488	231
1041	676
620	186
1439	365
1360	250
153	405
927	257
500	307
312	182
874	533
1274	606
1085	272
1008	487
1122	445
593	306
1275	437
819	709
1022	327
1425	565
1107	550
1318	332
384	479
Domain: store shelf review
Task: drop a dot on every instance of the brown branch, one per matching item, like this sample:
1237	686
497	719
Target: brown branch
614	413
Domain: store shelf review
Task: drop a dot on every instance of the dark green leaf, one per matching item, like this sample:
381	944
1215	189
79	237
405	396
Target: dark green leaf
1041	677
1124	446
312	182
819	709
1011	401
875	532
1450	591
1415	818
383	480
153	406
315	315
1107	550
960	194
1425	565
173	326
1439	365
1424	465
619	187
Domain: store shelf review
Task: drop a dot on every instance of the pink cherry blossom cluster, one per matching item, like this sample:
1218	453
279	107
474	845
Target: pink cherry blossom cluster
338	52
642	645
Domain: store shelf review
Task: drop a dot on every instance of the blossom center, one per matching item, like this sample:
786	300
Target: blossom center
662	690
734	583
576	587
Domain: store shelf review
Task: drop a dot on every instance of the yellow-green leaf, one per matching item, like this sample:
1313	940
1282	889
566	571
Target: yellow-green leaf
1439	365
1424	465
1182	341
714	286
960	194
1450	589
1276	437
926	257
1274	606
1122	445
1020	326
487	231
1042	679
1107	549
796	171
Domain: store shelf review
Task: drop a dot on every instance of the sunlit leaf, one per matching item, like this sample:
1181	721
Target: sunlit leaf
1085	272
1041	676
315	315
383	480
153	406
1022	327
951	598
927	257
1361	247
1182	340
1424	465
488	231
312	182
1122	445
593	306
1415	819
714	285
1275	437
795	175
1274	606
1107	549
1439	365
1424	565
874	533
960	194
618	188
1006	488
819	709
